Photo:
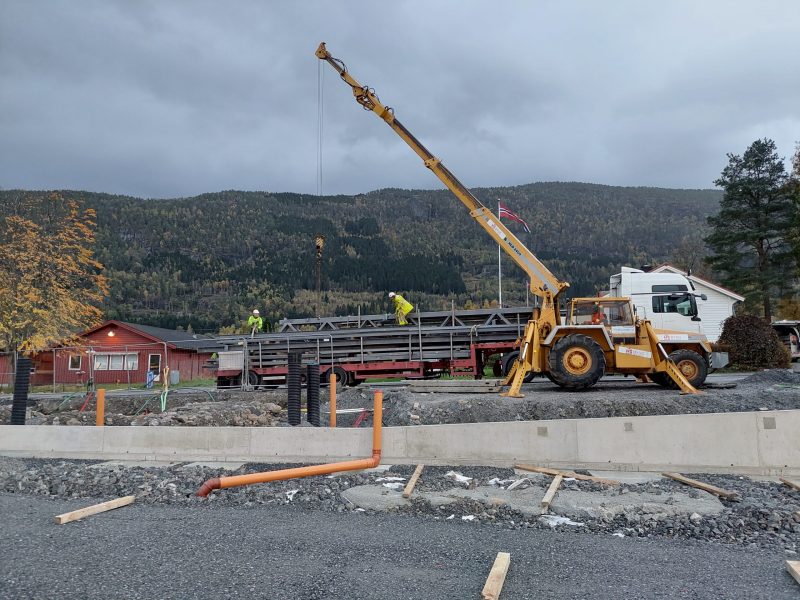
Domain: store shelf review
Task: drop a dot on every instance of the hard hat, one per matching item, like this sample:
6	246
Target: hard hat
255	312
391	294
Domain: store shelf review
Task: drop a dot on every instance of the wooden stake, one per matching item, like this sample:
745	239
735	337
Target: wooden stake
94	509
497	577
571	474
551	492
792	484
794	569
703	486
413	481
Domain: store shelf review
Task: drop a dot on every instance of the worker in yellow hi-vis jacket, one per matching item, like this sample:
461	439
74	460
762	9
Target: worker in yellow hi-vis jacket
401	308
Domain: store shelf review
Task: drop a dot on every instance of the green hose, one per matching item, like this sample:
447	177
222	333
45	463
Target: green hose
143	406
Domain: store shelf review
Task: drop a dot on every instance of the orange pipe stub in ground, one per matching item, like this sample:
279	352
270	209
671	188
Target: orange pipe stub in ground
101	408
332	394
218	483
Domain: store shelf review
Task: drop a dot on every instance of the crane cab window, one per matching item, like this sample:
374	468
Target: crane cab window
598	312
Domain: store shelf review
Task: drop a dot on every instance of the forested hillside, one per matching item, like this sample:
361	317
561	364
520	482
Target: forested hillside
207	261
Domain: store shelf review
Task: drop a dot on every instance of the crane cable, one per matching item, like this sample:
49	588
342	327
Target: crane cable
320	119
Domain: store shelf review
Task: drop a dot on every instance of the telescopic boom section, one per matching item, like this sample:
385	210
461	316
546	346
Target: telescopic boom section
543	283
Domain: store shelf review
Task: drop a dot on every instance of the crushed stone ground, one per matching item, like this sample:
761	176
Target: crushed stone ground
765	517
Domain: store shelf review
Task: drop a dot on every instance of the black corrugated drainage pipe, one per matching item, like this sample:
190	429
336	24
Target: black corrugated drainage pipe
312	394
22	379
293	382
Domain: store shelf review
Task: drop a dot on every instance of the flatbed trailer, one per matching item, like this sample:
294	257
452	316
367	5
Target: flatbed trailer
367	347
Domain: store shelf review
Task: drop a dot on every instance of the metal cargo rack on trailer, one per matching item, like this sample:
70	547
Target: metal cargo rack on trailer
360	348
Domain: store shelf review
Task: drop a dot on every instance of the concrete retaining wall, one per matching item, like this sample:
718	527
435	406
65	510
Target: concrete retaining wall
766	443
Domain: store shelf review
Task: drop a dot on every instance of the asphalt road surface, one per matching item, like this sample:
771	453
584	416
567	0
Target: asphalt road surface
159	552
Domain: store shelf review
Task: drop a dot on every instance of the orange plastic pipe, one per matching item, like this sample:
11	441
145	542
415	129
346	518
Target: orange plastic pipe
101	408
220	483
332	393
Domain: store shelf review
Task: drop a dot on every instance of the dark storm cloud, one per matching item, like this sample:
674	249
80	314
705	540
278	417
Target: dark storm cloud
175	98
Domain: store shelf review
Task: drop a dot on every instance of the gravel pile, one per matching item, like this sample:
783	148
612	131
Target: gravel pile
777	389
765	517
183	408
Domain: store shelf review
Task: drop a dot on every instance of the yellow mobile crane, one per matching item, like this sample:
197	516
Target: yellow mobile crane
600	335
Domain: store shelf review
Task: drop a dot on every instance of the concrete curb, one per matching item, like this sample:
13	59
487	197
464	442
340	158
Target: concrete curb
751	443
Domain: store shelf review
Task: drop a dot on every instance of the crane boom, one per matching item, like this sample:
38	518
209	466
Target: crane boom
542	282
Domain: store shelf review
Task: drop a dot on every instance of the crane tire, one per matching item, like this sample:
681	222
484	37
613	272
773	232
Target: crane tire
576	362
508	363
691	364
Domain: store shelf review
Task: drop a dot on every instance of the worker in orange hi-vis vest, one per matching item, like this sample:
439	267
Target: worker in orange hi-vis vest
401	308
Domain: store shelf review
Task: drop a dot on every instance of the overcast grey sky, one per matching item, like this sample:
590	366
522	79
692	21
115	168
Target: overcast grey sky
174	98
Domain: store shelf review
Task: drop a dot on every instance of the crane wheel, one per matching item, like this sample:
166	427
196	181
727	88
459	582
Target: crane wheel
508	363
576	362
690	363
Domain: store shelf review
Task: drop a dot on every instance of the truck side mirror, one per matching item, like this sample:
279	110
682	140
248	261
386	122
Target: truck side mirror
703	297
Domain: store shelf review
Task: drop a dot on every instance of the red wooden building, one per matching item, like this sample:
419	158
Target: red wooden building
118	352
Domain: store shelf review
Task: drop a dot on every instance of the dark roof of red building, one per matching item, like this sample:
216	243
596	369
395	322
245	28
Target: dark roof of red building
172	337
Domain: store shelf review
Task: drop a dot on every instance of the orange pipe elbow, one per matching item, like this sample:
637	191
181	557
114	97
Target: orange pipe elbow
219	483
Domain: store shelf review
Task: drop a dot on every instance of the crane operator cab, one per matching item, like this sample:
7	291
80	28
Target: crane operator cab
615	314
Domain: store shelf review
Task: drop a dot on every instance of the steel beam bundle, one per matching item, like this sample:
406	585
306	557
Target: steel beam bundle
431	336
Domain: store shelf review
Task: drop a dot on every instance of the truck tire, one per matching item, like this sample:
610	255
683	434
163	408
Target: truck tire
342	377
508	363
693	366
576	362
253	379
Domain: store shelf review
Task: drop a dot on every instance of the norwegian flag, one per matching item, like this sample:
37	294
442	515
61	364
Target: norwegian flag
504	212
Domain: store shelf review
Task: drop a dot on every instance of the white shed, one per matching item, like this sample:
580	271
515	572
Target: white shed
716	309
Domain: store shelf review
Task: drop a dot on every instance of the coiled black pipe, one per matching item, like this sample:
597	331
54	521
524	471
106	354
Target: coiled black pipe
312	394
293	381
22	381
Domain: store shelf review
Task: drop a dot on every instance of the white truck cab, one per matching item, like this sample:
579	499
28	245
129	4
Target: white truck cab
668	300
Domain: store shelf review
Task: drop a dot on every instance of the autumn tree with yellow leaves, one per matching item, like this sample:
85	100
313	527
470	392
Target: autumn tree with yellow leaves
51	286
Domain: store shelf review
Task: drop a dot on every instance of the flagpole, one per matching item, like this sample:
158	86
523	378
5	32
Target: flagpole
499	267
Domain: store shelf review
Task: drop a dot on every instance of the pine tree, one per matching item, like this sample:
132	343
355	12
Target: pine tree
750	235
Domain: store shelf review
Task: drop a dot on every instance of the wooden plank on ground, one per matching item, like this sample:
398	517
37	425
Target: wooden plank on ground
712	489
454	390
497	577
413	481
551	492
94	509
792	484
443	383
572	474
794	568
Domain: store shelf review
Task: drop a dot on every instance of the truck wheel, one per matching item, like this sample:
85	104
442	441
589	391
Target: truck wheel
253	379
690	363
508	363
576	362
342	377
